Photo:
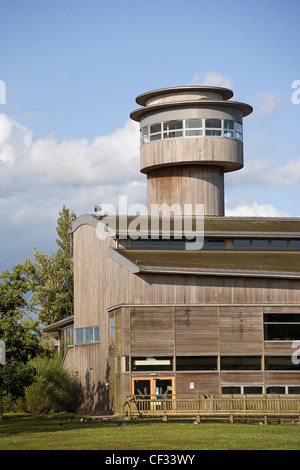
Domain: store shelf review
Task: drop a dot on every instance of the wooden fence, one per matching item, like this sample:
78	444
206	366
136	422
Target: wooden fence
213	407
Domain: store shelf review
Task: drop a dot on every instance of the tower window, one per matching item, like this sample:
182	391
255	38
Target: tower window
213	127
155	132
173	129
239	131
193	127
197	127
229	128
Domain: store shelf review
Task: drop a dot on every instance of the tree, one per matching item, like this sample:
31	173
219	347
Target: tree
51	276
18	330
52	387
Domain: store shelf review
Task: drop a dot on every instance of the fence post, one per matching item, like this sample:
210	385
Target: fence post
129	408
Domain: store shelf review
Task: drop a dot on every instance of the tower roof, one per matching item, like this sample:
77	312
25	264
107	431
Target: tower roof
144	97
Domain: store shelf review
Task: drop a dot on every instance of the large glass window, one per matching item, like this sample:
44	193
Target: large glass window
240	363
196	363
87	335
280	363
282	327
151	364
197	127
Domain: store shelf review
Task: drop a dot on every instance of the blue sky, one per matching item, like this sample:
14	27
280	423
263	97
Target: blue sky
72	70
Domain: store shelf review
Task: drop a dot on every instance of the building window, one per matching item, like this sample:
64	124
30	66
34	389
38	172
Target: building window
275	389
151	364
155	132
193	127
139	243
241	243
68	336
283	389
112	329
173	129
252	390
229	128
239	131
294	390
240	362
281	244
260	243
295	244
144	135
177	243
231	390
125	364
196	363
197	127
281	327
159	243
280	363
216	243
213	127
87	335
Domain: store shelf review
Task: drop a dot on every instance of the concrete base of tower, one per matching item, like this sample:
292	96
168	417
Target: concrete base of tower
186	190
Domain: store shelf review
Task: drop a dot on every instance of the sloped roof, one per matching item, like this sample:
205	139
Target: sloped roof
226	263
213	226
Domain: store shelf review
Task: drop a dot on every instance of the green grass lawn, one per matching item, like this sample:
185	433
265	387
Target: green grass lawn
55	432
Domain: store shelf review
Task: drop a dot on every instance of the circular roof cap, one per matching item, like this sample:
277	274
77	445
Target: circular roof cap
224	92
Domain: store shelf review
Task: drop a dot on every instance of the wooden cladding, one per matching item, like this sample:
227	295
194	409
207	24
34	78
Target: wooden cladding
192	331
152	330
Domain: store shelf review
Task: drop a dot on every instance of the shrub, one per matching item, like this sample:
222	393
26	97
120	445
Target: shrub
52	388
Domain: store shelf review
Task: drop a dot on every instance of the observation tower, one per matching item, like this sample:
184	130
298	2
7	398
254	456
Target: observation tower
190	136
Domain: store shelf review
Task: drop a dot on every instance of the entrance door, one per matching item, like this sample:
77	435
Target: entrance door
153	389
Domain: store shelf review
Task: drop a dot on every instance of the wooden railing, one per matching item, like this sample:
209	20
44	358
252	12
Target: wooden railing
212	406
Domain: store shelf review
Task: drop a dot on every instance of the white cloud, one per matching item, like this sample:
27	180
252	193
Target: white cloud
110	159
39	176
267	104
266	172
212	79
247	208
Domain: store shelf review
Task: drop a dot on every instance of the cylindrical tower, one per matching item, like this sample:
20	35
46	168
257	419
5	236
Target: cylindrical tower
190	136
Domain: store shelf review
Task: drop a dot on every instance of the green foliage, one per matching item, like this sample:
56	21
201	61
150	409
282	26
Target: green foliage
51	276
18	330
52	388
49	280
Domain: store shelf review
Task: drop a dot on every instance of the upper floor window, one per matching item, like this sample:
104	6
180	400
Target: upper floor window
197	127
87	335
281	326
193	127
213	127
173	129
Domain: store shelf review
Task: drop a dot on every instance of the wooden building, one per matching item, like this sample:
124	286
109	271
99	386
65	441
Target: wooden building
184	312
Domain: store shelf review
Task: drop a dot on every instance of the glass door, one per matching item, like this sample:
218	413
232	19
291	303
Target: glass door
154	391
